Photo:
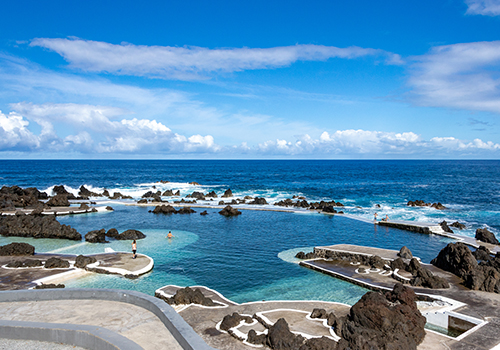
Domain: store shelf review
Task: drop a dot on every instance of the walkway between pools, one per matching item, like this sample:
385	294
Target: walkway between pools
458	302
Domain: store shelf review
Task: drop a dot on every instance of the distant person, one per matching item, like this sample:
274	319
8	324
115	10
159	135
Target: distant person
374	217
386	217
134	249
170	235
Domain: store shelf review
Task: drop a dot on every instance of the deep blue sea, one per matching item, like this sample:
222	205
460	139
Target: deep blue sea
250	257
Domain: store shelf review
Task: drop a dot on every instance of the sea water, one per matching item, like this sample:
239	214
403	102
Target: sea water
251	257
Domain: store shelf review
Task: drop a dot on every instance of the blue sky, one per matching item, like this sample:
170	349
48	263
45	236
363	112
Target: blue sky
250	79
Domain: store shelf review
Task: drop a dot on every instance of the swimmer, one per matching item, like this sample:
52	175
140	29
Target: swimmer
374	217
170	235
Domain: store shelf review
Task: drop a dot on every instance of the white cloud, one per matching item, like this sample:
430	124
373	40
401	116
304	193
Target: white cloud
377	144
191	62
97	133
14	134
483	7
463	76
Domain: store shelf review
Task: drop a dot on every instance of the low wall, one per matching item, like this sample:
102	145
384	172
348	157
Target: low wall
406	227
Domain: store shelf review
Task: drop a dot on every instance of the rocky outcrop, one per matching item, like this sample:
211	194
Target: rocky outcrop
302	255
17	249
211	195
85	193
196	195
142	201
130	235
458	259
168	209
82	261
421	203
228	193
60	190
50	286
259	201
96	236
203	213
164	209
15	196
405	253
230	321
384	321
26	263
229	211
445	227
279	336
484	235
186	296
458	225
59	200
56	263
37	227
112	232
323	343
185	210
423	277
482	253
398	264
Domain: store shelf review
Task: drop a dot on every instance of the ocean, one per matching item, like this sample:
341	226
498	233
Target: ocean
251	257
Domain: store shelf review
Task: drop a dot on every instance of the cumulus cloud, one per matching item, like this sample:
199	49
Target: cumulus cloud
191	62
96	131
377	144
463	76
483	7
14	134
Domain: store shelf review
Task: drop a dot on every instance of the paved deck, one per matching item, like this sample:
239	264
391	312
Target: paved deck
481	305
205	320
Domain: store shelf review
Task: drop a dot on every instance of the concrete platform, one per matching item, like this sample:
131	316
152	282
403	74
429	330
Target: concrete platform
482	306
25	278
206	320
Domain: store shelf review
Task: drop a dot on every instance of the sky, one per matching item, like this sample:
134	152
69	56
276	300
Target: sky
360	79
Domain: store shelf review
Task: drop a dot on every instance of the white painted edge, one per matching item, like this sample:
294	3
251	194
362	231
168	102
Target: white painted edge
124	272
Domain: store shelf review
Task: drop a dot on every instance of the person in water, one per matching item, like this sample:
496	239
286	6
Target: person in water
134	249
375	217
170	235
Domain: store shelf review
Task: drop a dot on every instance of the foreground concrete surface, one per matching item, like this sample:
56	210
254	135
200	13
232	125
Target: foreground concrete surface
130	321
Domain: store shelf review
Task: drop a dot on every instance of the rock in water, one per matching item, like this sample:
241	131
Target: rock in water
229	211
405	253
445	227
185	210
483	235
131	235
164	209
96	236
228	193
458	225
384	321
17	249
50	286
37	227
112	232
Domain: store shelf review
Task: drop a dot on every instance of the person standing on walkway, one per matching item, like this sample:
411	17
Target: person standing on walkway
134	249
